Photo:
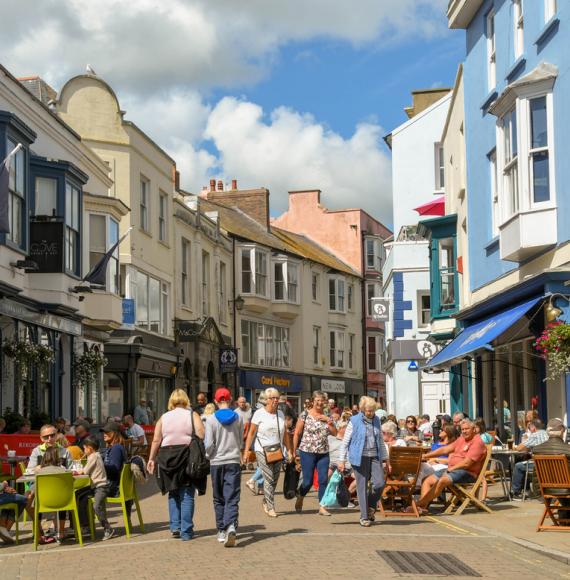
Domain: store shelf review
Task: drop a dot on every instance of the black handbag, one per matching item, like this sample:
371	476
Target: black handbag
198	466
342	494
290	481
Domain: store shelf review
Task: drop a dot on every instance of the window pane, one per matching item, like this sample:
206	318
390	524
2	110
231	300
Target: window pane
20	173
46	196
332	294
246	270
279	281
142	299
97	234
154	301
541	185
539	131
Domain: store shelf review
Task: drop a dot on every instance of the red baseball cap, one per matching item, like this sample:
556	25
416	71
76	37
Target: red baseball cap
222	394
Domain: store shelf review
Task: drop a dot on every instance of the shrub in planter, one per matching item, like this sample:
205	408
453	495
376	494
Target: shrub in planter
13	420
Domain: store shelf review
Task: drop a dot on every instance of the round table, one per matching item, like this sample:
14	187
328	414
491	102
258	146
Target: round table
511	455
13	461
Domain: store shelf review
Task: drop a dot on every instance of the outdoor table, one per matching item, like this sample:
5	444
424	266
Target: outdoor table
511	455
12	462
79	481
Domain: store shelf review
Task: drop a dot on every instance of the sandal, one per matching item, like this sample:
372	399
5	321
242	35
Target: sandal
371	516
365	523
47	540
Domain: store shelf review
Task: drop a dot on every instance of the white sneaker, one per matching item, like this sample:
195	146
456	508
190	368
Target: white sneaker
230	537
6	536
221	536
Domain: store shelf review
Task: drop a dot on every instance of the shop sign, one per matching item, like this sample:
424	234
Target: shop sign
228	360
66	325
408	350
129	313
186	331
23	444
46	241
333	386
380	308
264	380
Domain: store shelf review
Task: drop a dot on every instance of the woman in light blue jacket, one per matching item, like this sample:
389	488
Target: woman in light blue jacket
364	446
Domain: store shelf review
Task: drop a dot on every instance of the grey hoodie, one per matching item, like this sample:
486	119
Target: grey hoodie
224	434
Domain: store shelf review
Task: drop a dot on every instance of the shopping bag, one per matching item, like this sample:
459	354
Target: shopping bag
342	494
329	498
290	481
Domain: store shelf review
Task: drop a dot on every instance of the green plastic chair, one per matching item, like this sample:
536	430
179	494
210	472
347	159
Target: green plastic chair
14	507
127	492
55	493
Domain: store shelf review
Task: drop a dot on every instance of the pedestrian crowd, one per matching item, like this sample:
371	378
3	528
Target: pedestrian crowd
324	444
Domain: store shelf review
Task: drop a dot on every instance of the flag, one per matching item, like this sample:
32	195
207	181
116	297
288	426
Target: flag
5	191
98	274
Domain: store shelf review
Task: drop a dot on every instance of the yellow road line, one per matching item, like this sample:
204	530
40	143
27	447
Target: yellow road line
450	526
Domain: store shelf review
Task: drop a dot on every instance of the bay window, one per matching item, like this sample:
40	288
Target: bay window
336	349
17	195
446	253
336	294
72	218
253	271
373	290
372	351
511	163
285	281
103	234
264	344
151	302
45	197
538	151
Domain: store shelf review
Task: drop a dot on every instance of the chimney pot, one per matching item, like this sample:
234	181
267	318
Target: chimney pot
212	185
220	185
234	184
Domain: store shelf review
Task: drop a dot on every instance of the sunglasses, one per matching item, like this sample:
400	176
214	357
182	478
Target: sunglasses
48	436
411	421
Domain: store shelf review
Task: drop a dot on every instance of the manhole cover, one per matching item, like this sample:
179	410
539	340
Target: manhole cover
426	563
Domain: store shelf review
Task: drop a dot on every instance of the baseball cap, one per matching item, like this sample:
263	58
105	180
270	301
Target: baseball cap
82	423
222	394
111	427
555	425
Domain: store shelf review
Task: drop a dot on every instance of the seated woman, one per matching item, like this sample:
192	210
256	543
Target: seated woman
446	436
410	432
389	433
481	430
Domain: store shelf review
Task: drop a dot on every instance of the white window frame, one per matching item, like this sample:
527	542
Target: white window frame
206	273
374	258
339	294
377	293
524	200
144	204
72	227
290	281
491	50
222	292
550	9
267	345
17	194
317	340
421	310
336	349
163	291
315	286
350	297
186	261
495	207
162	216
112	273
439	164
518	28
258	279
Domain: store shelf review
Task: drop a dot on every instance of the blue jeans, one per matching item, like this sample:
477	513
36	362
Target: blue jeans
310	462
258	476
519	473
13	498
457	475
181	511
226	488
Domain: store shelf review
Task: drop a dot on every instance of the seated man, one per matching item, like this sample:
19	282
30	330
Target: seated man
82	431
134	431
9	495
537	435
48	435
466	457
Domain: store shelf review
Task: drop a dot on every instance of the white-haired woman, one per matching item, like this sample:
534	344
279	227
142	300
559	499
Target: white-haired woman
364	446
268	434
390	435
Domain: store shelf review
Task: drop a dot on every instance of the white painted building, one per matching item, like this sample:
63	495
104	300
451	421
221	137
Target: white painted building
417	178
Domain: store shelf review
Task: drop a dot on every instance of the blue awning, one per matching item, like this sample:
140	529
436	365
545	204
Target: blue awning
480	335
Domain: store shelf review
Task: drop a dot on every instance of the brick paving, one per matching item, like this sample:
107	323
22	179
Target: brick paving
291	546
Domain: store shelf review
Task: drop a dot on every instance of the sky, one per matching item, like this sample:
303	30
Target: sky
288	95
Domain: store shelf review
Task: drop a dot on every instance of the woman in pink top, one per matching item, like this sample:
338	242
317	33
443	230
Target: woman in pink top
172	435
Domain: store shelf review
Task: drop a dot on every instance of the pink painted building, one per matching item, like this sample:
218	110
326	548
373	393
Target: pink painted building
358	239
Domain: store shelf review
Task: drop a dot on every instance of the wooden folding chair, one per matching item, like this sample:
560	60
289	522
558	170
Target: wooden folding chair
401	482
466	493
554	481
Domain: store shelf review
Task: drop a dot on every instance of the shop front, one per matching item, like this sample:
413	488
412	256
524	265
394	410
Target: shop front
345	392
252	383
139	367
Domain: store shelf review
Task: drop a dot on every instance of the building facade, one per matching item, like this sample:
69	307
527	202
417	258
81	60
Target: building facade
358	239
516	86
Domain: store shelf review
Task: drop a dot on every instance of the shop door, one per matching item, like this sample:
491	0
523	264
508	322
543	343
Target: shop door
435	398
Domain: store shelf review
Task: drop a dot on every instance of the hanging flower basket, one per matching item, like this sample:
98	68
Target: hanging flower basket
27	353
86	367
554	346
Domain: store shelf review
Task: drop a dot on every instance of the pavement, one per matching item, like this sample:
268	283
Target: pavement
502	544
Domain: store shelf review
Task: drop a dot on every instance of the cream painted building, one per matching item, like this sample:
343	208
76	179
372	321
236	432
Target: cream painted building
43	257
298	314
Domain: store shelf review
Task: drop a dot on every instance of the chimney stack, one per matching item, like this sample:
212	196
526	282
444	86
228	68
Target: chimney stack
220	185
234	184
212	185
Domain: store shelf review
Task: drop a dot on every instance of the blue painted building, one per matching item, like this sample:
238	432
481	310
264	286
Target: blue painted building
517	89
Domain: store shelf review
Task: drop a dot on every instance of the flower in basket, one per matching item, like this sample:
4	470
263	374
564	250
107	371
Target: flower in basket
553	344
86	367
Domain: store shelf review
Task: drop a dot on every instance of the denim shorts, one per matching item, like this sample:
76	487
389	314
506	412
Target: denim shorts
457	476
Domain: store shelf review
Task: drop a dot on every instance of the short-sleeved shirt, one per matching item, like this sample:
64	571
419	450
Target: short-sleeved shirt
473	449
315	435
268	432
136	431
536	438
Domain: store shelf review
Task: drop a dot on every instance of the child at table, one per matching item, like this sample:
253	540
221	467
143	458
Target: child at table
99	489
51	463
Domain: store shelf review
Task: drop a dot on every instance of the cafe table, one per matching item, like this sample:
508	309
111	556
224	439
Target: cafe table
511	455
12	461
79	481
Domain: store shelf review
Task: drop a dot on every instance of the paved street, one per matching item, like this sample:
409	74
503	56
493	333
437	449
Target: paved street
281	548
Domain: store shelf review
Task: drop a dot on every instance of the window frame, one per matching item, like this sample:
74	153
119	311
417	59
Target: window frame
373	260
339	297
144	204
222	292
351	344
375	367
162	216
422	310
163	301
518	28
206	273
112	278
290	280
550	10
439	164
315	286
22	197
317	344
72	227
490	34
268	343
255	277
186	261
337	347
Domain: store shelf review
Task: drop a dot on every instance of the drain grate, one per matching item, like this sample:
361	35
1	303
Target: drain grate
426	563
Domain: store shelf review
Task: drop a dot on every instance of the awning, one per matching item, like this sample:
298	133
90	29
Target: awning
435	206
480	335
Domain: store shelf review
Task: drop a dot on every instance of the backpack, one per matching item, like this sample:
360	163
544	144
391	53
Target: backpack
198	466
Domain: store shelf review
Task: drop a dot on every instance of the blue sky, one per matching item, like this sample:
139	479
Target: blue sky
287	95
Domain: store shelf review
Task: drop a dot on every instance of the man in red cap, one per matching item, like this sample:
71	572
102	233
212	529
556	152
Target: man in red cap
224	434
